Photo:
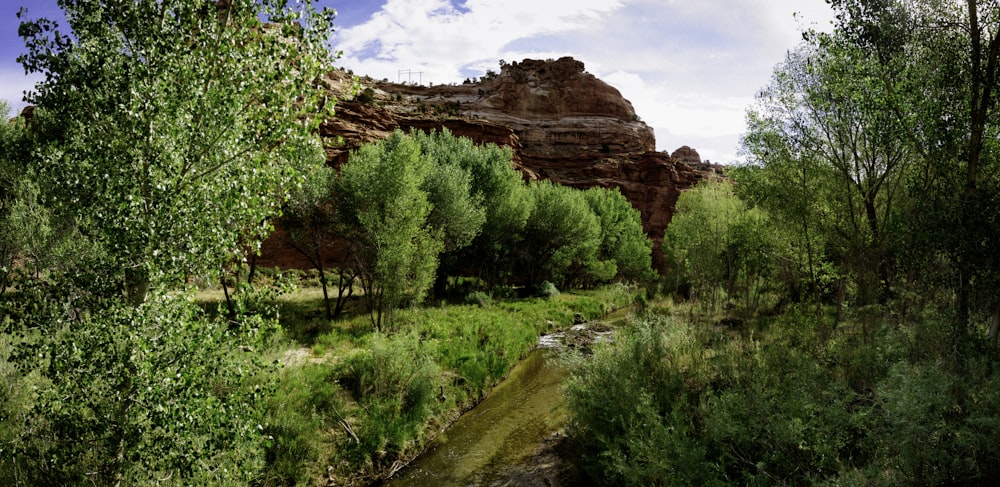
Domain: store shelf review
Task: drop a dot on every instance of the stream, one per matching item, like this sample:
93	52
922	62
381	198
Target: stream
511	438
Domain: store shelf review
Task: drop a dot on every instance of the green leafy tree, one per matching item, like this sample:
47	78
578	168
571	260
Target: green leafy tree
933	66
508	205
723	248
827	124
182	122
126	395
11	154
698	236
458	211
561	237
381	199
166	134
310	223
623	241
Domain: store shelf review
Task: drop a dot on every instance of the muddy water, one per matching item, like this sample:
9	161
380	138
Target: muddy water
494	443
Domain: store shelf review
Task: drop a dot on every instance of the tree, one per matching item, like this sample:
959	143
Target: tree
699	234
11	137
182	123
826	130
382	201
943	60
165	136
561	236
499	189
458	212
310	223
623	241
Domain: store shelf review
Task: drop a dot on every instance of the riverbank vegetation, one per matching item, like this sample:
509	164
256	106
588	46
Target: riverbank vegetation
835	312
138	343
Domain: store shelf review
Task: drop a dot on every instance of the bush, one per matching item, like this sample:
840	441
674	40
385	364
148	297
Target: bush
308	404
546	290
394	381
633	411
131	395
479	298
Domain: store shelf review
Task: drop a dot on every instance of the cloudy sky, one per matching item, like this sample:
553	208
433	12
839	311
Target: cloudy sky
689	67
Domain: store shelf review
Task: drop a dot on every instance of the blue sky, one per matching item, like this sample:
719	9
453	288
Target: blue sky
689	67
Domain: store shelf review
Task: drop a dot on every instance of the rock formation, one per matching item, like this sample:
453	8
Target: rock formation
561	123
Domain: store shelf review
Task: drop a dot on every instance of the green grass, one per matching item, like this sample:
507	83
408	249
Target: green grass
358	401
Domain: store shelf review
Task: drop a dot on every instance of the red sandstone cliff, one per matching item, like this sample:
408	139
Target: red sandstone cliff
561	122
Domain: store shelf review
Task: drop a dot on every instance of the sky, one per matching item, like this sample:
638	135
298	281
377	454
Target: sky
691	68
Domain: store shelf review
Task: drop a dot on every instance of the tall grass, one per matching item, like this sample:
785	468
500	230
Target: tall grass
358	403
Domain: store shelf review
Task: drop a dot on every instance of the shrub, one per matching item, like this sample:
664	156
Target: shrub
479	298
366	96
131	395
633	412
307	404
394	381
546	290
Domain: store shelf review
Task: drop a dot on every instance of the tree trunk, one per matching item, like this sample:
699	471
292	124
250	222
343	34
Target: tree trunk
322	282
136	287
995	324
229	300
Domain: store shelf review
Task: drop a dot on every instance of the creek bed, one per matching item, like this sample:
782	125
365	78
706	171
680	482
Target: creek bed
514	436
502	431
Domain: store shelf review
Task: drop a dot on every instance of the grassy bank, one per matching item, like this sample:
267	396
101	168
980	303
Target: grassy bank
351	405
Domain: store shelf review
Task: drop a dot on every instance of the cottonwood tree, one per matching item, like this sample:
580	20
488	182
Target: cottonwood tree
561	236
166	134
506	202
698	235
826	125
380	197
458	212
181	125
624	245
310	223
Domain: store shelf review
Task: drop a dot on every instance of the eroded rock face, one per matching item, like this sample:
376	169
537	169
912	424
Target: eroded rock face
686	155
561	123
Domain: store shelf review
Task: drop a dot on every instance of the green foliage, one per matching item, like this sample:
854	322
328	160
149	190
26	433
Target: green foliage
180	130
796	402
561	236
934	435
308	400
826	130
633	416
393	379
165	136
724	249
311	224
783	416
623	241
547	290
366	97
381	198
134	395
497	197
479	298
457	213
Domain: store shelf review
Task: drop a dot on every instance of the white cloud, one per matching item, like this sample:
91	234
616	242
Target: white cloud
690	68
441	41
